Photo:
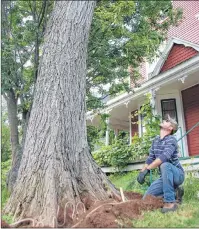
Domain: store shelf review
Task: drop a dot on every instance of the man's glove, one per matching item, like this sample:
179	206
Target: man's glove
141	176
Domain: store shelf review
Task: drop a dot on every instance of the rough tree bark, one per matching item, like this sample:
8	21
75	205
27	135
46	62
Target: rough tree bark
14	138
57	166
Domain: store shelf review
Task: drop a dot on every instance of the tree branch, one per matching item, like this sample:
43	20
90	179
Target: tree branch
42	13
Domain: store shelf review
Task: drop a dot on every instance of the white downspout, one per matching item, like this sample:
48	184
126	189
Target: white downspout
107	132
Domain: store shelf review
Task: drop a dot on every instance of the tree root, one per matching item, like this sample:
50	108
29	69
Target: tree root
22	221
94	211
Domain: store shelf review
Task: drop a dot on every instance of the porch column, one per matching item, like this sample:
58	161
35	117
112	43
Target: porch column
153	99
116	132
107	132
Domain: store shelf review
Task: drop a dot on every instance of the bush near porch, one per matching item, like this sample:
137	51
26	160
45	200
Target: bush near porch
119	153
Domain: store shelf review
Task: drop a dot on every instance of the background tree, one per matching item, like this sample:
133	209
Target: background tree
23	25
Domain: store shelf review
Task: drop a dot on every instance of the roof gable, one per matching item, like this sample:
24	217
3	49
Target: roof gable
176	52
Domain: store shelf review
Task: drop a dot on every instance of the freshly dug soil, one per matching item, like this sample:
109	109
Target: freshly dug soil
106	214
4	224
111	214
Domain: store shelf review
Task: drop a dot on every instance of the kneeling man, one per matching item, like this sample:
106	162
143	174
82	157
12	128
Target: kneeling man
164	154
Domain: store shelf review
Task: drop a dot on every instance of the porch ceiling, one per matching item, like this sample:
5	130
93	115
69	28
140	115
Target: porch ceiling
119	116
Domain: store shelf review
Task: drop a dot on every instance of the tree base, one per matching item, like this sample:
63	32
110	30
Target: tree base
101	214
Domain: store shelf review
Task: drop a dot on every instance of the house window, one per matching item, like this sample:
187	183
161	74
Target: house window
169	108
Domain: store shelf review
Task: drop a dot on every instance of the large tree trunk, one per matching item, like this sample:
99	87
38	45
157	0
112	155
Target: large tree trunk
57	166
14	138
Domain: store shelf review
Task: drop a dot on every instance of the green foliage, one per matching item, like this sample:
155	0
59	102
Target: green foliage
8	219
5	167
120	153
103	156
5	161
93	136
5	157
5	139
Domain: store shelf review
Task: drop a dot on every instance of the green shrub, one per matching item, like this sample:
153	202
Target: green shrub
102	157
5	167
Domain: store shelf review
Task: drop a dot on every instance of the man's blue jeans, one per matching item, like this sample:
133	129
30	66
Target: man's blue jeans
171	177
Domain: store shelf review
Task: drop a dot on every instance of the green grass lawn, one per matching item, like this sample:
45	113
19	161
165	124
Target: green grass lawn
187	214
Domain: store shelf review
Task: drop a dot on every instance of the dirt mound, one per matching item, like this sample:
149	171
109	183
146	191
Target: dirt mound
112	215
4	224
133	195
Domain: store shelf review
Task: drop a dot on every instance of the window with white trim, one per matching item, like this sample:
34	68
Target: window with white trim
169	108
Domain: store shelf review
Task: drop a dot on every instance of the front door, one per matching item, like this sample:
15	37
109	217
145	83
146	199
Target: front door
190	99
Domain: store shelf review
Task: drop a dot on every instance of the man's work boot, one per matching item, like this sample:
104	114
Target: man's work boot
179	194
169	207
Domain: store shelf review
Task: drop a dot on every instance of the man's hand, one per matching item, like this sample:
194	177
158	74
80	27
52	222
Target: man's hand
144	168
142	175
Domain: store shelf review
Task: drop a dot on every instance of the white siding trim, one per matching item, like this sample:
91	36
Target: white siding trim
130	131
175	94
183	125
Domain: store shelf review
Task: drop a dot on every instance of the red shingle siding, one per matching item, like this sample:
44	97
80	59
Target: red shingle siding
142	79
188	29
190	99
177	55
